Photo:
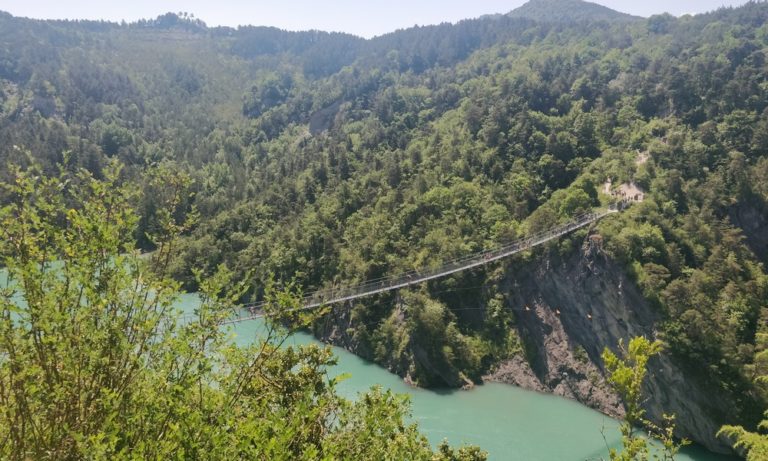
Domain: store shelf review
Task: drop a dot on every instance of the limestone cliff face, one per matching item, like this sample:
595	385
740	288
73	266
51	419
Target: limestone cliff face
566	311
598	305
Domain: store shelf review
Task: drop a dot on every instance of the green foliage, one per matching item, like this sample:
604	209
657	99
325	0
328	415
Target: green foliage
567	11
329	159
625	375
754	444
96	363
444	355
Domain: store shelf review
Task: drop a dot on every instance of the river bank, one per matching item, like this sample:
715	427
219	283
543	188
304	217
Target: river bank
509	422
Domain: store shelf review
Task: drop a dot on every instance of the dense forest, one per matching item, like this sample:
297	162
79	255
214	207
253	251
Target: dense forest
326	159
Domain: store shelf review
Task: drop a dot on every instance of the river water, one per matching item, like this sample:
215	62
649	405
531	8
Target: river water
509	422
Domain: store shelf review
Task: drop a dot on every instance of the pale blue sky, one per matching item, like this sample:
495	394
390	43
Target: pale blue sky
361	17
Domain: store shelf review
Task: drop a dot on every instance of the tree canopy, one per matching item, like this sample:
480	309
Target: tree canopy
329	159
97	363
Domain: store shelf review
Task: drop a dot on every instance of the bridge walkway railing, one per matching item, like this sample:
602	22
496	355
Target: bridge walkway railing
384	284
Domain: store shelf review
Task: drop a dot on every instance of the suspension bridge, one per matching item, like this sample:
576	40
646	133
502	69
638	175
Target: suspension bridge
371	287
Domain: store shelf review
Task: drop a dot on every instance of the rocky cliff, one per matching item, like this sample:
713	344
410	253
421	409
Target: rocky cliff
598	306
566	310
751	216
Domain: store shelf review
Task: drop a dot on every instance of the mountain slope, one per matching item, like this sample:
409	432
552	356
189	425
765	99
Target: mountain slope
334	159
568	11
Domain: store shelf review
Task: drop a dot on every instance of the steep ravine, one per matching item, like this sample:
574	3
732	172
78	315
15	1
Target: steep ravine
566	311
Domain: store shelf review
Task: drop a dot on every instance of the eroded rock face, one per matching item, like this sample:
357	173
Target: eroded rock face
566	311
598	306
752	219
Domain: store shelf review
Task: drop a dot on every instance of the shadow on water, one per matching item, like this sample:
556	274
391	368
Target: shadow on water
444	392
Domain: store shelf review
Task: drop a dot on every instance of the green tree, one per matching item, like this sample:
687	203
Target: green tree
626	374
754	444
96	363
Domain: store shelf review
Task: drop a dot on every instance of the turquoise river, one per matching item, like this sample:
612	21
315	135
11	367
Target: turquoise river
509	422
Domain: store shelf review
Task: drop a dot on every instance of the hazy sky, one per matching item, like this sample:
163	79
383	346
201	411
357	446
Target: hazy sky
361	17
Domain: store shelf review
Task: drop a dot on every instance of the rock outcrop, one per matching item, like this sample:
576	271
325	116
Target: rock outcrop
598	306
752	218
567	310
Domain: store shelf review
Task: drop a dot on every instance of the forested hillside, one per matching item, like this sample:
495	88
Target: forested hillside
568	10
329	160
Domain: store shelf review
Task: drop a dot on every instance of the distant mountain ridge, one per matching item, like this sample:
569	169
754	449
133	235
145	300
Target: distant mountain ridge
568	11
